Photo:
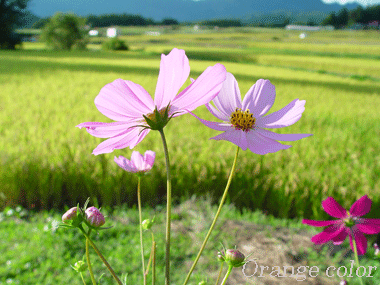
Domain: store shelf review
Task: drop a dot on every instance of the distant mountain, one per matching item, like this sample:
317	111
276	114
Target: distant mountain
184	10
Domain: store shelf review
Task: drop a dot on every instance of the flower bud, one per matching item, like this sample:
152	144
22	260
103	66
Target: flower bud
343	282
94	217
80	266
377	249
221	255
70	216
147	224
234	257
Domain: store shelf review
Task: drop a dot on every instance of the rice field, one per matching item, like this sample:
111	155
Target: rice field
45	162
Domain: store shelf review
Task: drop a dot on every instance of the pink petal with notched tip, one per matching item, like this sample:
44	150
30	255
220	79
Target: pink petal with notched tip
284	117
339	239
320	223
332	208
328	234
260	144
360	240
237	137
214	125
174	71
200	92
129	139
369	226
138	160
260	98
106	130
282	137
149	157
361	207
123	100
229	97
125	163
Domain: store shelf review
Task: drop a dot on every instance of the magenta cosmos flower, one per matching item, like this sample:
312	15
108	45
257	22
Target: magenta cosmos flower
349	224
244	122
138	163
134	110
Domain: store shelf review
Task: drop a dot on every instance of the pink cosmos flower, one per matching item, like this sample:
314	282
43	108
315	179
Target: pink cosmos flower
138	163
349	224
244	122
135	112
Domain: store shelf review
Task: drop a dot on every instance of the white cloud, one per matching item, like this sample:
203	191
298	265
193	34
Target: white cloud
362	2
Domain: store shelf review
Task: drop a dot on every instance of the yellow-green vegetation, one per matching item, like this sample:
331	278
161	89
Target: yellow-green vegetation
47	162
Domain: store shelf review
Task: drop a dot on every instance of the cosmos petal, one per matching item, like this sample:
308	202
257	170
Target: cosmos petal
282	137
229	97
106	130
332	208
360	240
284	117
201	91
320	223
237	137
149	158
214	125
260	144
123	100
327	234
361	207
129	139
369	226
259	98
174	71
216	113
339	239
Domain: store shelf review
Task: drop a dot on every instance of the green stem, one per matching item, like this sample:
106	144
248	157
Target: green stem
227	274
356	257
101	257
215	218
154	264
168	210
81	275
88	260
141	233
220	273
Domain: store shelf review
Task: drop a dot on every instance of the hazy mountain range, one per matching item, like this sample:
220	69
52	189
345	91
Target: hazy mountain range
184	10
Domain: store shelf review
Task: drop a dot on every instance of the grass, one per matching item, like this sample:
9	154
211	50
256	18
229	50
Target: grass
46	162
26	231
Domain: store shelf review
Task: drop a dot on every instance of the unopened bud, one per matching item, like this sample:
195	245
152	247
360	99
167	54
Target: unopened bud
221	255
343	282
147	224
79	266
94	217
234	257
70	216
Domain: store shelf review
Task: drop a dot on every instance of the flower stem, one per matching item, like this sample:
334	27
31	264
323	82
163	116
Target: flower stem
154	264
168	209
215	218
81	275
220	273
141	234
356	258
227	274
88	260
101	257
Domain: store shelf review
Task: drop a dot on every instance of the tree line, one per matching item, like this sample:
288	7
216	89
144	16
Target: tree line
107	20
359	15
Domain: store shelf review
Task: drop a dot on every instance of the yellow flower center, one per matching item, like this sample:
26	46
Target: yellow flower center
242	120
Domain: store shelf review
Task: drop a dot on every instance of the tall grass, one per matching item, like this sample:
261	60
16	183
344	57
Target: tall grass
46	162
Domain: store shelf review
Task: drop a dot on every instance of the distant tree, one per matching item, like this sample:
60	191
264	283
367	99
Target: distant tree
40	23
64	31
11	16
331	20
223	23
342	18
169	22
